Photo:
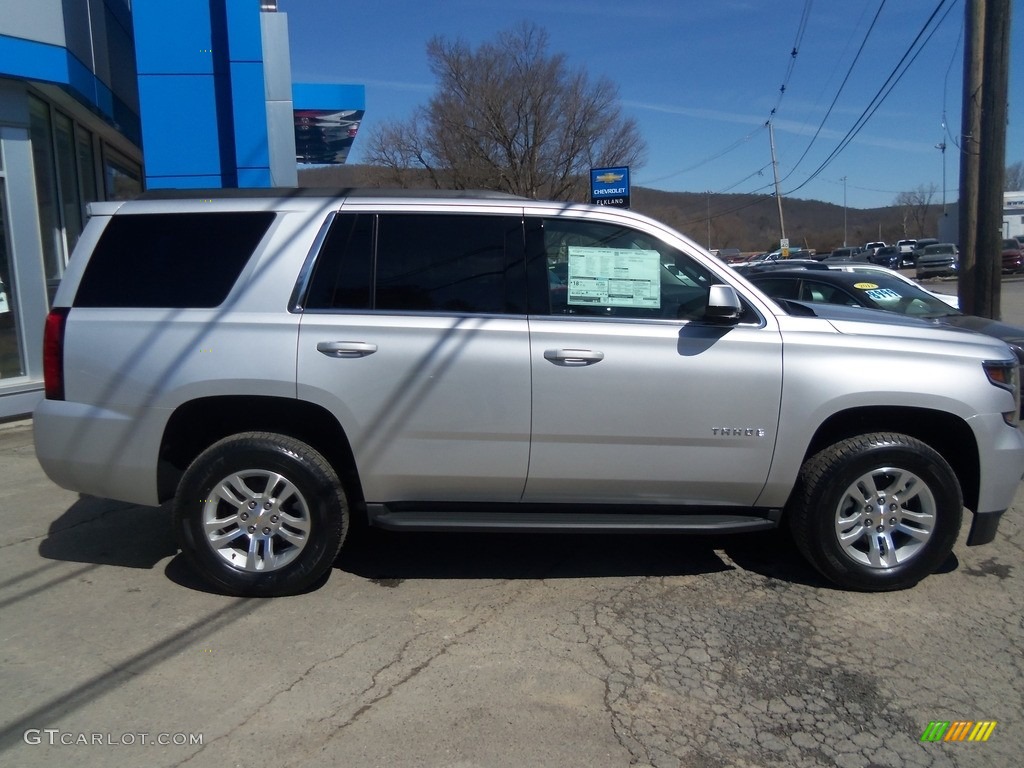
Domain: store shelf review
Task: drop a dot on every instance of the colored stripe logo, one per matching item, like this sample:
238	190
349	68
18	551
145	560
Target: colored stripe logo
958	730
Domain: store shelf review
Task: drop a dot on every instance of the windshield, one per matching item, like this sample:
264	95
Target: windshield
869	291
884	292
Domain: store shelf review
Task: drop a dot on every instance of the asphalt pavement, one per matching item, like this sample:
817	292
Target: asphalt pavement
485	651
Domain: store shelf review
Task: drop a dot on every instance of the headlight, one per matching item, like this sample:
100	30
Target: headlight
1006	374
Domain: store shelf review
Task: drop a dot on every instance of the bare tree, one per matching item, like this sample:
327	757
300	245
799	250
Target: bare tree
1014	177
914	207
509	116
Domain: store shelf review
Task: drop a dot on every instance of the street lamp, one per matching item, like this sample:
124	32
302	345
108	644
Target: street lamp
941	146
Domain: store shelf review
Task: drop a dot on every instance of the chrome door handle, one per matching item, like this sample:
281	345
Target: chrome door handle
346	348
573	356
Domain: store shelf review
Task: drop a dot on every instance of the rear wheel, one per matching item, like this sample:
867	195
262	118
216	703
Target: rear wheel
876	512
260	514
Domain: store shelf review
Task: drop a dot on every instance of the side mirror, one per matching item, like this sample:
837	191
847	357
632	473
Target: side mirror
723	304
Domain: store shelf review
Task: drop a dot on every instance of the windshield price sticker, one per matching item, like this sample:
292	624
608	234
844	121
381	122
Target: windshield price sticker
614	277
884	294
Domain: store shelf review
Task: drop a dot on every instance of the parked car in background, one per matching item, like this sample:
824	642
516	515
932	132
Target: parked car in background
845	252
794	253
856	267
753	267
867	268
907	248
1013	255
883	292
860	257
873	246
938	259
921	245
887	256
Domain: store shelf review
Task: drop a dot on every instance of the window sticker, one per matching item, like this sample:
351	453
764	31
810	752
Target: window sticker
883	294
865	286
614	277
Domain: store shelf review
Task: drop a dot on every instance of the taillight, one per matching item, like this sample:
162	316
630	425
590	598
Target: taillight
53	353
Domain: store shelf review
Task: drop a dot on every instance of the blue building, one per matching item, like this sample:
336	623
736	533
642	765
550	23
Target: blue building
101	99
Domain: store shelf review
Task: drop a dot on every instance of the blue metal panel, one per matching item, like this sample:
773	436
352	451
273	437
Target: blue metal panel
328	96
250	116
89	88
245	38
33	61
184	182
173	38
30	60
180	132
254	177
202	91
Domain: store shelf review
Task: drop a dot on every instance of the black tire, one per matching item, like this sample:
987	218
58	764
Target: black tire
834	512
260	514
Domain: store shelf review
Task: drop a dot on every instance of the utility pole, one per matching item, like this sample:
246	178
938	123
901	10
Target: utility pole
708	192
844	211
775	170
992	168
983	154
941	146
970	158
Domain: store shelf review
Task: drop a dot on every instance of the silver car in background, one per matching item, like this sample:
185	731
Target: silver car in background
940	259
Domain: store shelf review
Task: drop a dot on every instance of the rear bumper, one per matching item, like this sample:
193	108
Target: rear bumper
101	452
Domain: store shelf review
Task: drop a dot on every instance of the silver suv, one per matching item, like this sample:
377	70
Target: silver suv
283	363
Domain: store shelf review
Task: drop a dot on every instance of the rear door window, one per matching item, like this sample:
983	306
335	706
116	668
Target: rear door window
447	263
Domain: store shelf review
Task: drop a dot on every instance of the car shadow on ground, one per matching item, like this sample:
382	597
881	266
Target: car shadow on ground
388	558
104	532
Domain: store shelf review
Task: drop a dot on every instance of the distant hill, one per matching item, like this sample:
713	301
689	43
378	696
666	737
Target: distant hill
747	222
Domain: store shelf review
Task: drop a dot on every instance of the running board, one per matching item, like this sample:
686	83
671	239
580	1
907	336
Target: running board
382	516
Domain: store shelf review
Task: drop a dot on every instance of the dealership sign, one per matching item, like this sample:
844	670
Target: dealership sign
610	186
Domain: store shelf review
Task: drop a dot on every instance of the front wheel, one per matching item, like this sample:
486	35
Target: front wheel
260	514
876	512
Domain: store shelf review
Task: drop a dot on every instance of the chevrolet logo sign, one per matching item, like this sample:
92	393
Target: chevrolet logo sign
609	178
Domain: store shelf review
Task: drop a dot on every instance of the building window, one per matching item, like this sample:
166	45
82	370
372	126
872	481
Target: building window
122	178
64	159
86	165
71	204
11	360
45	166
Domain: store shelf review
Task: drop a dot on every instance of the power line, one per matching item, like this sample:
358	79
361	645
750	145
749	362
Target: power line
797	42
839	92
883	92
721	153
945	86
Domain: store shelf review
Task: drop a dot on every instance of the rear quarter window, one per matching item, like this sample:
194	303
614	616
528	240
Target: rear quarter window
170	260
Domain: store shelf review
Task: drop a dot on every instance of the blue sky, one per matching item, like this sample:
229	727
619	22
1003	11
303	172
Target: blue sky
702	78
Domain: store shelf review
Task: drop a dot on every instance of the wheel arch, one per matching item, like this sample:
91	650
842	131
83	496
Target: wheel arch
197	424
950	435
